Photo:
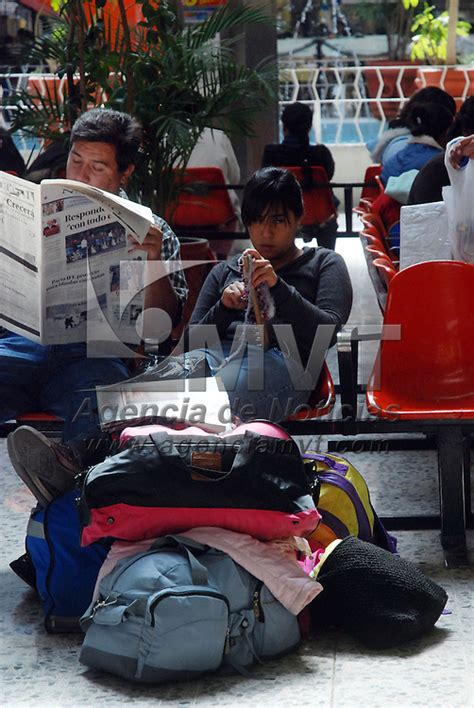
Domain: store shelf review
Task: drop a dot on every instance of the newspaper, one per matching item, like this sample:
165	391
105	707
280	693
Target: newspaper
202	402
65	269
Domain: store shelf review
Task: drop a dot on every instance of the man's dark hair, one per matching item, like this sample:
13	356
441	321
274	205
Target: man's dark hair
104	125
297	119
271	187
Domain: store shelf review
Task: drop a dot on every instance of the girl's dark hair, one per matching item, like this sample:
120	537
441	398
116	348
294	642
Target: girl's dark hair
429	94
429	119
463	123
104	125
297	119
268	188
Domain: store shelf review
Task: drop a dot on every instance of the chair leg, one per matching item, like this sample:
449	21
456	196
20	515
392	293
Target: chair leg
451	492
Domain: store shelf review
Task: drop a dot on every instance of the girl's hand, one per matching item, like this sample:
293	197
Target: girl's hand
263	271
462	148
233	296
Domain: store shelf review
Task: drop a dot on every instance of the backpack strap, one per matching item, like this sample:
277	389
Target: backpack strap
325	459
199	574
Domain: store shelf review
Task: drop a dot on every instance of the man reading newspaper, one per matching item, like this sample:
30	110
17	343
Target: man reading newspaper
61	378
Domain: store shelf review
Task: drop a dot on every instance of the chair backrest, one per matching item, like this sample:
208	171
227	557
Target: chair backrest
193	249
319	203
200	203
385	269
373	219
376	251
322	399
372	238
371	192
430	368
363	207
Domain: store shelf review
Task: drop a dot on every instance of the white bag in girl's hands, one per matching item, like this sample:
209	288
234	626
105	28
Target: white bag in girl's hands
459	200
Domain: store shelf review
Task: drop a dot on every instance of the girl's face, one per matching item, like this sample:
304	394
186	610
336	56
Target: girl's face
273	235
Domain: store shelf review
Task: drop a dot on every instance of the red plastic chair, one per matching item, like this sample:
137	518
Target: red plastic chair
322	399
429	372
372	219
385	269
364	206
369	191
47	423
319	204
372	238
424	381
200	204
193	249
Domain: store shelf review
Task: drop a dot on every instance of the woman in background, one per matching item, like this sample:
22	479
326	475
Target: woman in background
398	133
433	176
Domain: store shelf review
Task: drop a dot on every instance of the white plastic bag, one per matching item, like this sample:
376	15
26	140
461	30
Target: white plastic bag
459	200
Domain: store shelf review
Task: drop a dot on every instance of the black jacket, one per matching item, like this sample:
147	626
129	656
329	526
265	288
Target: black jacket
290	153
429	182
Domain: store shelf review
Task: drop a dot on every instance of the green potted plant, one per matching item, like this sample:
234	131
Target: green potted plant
397	69
433	42
175	79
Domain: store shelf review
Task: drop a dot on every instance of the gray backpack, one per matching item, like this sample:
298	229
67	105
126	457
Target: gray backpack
181	609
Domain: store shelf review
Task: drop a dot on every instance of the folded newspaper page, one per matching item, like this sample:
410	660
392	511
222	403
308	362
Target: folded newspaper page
65	269
202	402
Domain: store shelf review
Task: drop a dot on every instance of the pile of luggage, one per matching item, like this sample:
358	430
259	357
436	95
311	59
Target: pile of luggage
187	551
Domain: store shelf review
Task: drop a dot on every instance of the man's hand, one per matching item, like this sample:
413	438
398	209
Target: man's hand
464	147
151	244
263	271
233	296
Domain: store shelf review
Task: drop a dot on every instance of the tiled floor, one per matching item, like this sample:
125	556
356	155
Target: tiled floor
329	671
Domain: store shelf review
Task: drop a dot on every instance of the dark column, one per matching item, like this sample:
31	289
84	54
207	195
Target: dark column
256	43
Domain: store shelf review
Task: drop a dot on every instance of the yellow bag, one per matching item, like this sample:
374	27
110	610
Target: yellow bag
343	502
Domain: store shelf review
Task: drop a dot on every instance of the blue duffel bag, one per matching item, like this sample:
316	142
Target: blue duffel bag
65	572
182	609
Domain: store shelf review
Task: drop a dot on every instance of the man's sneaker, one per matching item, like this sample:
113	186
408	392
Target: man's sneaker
47	468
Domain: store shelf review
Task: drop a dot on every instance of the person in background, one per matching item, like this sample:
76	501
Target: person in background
433	176
214	149
429	124
295	150
398	133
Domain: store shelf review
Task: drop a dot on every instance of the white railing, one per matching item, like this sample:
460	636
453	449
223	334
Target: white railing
351	103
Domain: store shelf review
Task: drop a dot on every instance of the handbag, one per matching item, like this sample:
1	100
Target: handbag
343	500
460	207
163	483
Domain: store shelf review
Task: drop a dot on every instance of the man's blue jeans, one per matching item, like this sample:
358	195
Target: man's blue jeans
59	379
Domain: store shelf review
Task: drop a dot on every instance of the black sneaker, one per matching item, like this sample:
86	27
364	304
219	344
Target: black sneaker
47	468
